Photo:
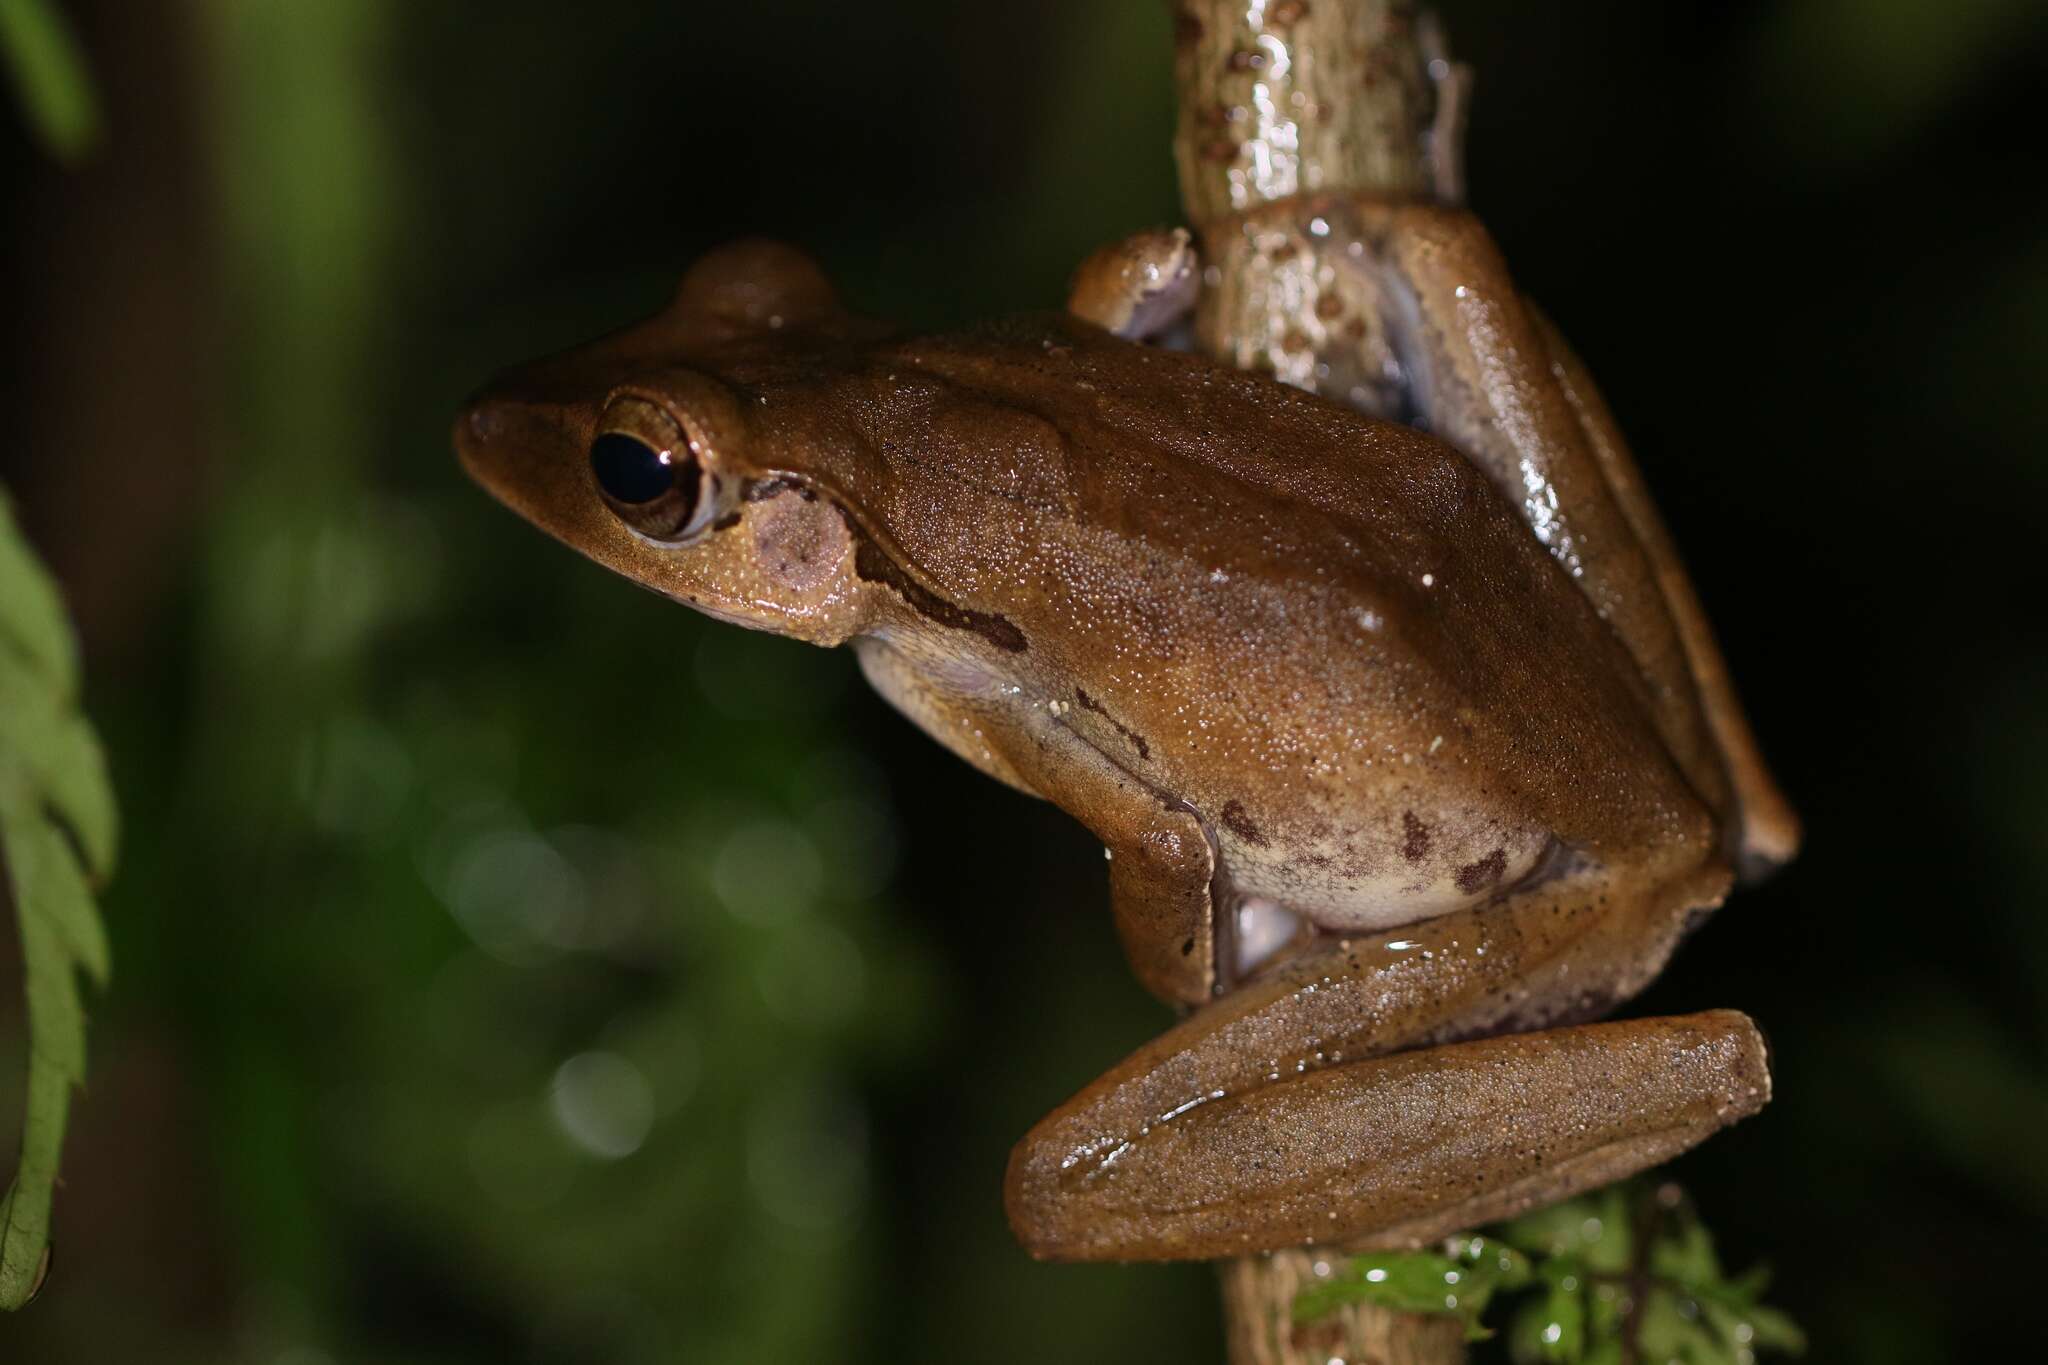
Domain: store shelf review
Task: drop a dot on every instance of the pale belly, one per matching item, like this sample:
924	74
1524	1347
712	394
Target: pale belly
1400	861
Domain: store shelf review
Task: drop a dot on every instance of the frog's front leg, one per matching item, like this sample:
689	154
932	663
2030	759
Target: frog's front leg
1161	858
1332	1100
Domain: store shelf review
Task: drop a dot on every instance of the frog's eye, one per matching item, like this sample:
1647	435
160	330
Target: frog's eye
649	473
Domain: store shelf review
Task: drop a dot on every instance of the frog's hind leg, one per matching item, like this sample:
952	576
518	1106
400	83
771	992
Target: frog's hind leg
1486	372
1332	1099
1396	1151
1770	827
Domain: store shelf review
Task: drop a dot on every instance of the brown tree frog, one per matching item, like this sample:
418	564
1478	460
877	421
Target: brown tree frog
1377	775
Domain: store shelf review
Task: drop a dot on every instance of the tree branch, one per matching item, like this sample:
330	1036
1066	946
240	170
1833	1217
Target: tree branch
1281	99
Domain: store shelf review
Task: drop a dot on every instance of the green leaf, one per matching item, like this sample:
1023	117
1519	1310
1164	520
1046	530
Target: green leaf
1773	1330
1458	1283
42	735
48	880
1685	1253
25	1213
1751	1283
1563	1333
49	78
31	613
1674	1328
1551	1328
1596	1228
1411	1283
57	826
1743	1323
1592	1257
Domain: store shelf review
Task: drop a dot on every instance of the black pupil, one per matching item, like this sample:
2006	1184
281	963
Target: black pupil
628	470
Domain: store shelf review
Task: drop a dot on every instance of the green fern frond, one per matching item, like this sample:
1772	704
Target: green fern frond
57	837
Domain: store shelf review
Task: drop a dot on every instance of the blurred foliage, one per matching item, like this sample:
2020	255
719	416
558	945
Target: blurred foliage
1625	1273
57	830
49	76
517	968
1893	67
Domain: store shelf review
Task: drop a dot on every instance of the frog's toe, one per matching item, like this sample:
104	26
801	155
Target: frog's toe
1140	287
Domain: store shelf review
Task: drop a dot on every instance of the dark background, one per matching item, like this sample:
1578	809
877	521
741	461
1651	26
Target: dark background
420	806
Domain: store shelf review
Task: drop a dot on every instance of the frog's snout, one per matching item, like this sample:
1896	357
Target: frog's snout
497	436
506	444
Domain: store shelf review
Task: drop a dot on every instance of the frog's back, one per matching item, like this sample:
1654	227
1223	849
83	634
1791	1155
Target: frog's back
1330	635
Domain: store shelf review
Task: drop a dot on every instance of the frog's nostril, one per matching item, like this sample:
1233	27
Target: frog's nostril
481	434
489	420
629	470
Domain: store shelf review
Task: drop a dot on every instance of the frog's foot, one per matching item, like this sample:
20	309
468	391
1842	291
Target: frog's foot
1395	1151
1140	288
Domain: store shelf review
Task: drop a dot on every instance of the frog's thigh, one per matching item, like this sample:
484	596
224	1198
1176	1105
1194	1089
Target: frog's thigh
1399	1150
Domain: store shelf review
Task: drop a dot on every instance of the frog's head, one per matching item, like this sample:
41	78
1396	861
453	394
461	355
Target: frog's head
641	451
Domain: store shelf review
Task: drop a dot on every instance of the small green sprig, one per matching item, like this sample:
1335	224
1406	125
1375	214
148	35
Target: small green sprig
57	830
1460	1281
1624	1275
